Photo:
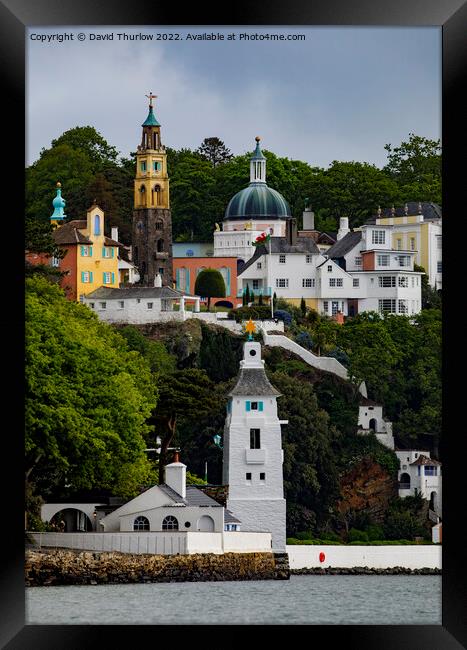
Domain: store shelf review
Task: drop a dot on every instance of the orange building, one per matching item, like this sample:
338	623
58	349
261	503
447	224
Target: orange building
186	270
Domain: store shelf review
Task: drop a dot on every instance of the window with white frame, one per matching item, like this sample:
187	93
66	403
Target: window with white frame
141	523
399	244
387	305
255	284
336	282
334	307
106	251
282	259
91	304
121	304
308	282
387	281
403	281
332	282
170	523
325	306
107	278
378	236
403	307
166	305
412	243
86	251
439	267
282	283
308	259
55	261
258	265
413	282
356	282
358	261
103	305
330	268
382	260
439	243
86	276
404	260
150	305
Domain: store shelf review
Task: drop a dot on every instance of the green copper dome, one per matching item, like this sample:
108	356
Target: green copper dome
257	200
58	204
151	119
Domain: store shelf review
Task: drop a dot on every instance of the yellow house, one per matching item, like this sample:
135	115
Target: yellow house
91	259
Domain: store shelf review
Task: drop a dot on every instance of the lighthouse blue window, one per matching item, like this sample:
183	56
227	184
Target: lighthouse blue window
254	406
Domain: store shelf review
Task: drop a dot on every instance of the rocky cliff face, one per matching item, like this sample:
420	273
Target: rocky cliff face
366	488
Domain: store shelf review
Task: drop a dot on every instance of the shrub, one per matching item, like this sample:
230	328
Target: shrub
304	339
356	535
255	312
283	315
375	532
340	355
307	534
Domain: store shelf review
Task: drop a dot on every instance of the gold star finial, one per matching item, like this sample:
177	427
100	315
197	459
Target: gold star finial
250	328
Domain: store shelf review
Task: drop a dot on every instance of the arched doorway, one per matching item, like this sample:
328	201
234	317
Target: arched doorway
404	481
224	303
206	524
71	520
372	424
434	501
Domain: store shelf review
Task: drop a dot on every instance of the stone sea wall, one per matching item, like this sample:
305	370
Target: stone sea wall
66	567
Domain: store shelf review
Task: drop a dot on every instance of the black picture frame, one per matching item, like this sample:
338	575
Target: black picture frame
15	16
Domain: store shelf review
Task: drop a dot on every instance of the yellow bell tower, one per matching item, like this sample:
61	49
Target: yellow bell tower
152	180
152	219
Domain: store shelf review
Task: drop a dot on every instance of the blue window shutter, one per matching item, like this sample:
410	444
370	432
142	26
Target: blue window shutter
112	252
178	278
248	406
260	406
227	288
187	275
82	276
103	251
90	276
90	251
113	277
82	251
103	278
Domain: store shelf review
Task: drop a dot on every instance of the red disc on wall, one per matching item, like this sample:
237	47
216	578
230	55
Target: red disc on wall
322	557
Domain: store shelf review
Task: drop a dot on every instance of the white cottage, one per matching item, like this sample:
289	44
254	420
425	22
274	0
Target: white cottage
253	454
173	506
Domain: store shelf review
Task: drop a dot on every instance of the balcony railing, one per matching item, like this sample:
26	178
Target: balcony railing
265	291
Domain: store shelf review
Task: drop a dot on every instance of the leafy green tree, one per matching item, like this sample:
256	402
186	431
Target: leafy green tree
303	307
155	352
87	401
309	442
220	353
350	189
183	395
210	284
415	165
214	150
90	142
431	299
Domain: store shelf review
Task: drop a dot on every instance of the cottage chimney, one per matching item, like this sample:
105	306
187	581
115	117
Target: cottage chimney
308	218
343	227
157	280
175	475
291	231
114	234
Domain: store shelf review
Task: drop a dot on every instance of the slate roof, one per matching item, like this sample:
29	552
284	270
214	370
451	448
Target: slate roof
69	233
365	401
253	381
424	460
136	292
344	245
230	518
281	245
430	211
194	497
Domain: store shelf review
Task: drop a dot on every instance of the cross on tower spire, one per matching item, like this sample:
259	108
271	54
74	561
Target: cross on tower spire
151	97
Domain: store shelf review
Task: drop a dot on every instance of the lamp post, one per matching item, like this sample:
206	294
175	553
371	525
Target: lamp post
217	441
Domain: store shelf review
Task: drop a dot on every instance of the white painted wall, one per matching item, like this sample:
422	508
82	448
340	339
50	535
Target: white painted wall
166	543
378	557
133	312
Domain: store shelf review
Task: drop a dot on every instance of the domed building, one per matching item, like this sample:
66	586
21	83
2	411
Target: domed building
256	209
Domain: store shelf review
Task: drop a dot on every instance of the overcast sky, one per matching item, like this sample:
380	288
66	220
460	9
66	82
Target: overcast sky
341	94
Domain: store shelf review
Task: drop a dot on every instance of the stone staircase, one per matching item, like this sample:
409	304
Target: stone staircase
282	571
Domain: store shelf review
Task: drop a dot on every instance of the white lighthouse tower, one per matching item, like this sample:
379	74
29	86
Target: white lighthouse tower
253	453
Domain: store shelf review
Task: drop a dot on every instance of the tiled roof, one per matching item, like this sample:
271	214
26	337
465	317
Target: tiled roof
194	497
430	211
253	381
136	292
424	460
344	245
229	518
69	233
